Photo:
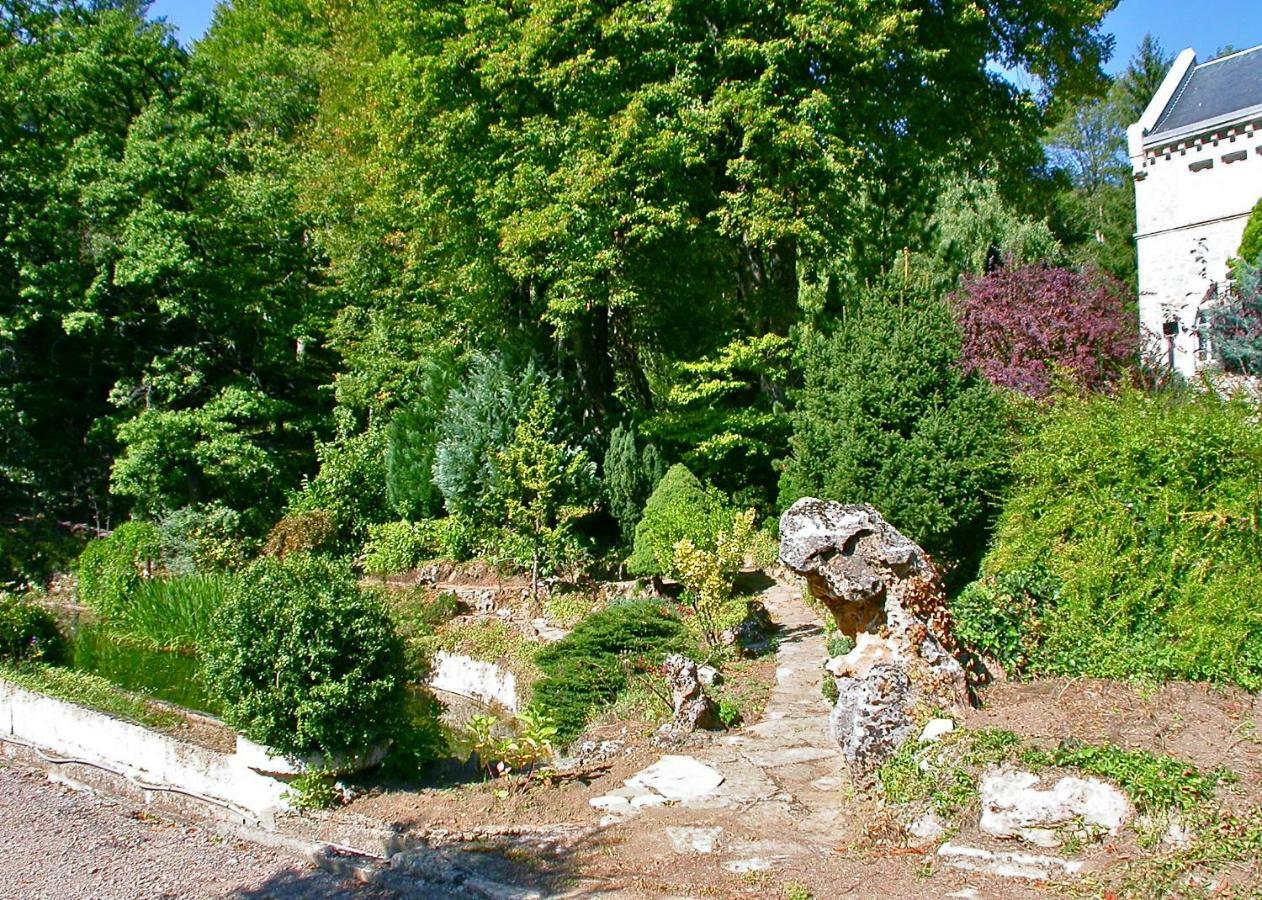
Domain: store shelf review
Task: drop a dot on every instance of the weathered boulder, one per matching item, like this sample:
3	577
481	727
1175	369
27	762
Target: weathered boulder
885	593
1013	806
693	709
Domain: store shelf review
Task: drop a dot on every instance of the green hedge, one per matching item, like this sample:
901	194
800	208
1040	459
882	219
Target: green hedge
1141	513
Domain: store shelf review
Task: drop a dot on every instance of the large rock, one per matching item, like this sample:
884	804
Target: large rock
693	709
882	591
1012	806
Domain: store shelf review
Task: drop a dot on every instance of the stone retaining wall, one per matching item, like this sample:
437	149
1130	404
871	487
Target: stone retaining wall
62	732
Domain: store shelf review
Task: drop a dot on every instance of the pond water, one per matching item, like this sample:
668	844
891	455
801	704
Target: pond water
164	675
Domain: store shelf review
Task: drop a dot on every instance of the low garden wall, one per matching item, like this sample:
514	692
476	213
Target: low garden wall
474	678
62	732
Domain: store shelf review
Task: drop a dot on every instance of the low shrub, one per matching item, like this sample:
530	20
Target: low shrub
1001	616
680	507
401	546
27	631
301	532
1144	510
589	667
110	568
707	577
306	661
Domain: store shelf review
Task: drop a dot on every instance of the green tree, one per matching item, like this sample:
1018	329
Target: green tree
412	444
1251	243
630	474
478	422
624	183
544	485
886	417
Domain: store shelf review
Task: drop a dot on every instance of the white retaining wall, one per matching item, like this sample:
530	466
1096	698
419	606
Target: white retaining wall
153	760
474	678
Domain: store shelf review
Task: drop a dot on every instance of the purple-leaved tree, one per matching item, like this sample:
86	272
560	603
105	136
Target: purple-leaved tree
1024	327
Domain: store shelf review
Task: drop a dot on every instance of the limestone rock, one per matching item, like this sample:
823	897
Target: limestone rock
884	592
1013	807
693	709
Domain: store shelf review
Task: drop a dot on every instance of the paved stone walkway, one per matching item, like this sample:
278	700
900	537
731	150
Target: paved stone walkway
783	791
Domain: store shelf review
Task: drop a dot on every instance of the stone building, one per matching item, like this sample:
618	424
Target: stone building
1196	154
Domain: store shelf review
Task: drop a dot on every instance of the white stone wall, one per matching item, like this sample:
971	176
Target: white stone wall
150	759
474	678
1189	224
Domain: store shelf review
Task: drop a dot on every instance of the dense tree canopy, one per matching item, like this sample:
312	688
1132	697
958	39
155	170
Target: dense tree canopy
326	204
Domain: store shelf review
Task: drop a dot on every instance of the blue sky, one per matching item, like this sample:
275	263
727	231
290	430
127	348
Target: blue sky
1203	24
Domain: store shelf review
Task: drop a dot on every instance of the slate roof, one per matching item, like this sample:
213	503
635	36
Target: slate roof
1213	90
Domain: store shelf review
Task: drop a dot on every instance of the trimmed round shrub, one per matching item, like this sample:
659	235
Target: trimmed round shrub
679	507
110	568
305	661
1143	512
27	632
588	668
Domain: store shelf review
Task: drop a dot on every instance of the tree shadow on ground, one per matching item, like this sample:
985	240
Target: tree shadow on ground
544	863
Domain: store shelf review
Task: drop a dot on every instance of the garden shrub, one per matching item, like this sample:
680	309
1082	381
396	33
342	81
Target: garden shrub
1144	510
350	484
1025	327
1251	242
207	538
630	474
886	417
545	484
707	577
679	507
27	632
1236	321
111	567
305	661
588	668
395	547
412	441
1001	616
301	532
478	422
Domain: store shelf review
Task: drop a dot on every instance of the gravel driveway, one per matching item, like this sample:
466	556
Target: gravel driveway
65	845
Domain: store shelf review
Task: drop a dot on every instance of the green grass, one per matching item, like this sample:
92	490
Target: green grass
173	613
87	690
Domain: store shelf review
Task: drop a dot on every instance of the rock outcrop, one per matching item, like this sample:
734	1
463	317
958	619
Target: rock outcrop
693	709
882	591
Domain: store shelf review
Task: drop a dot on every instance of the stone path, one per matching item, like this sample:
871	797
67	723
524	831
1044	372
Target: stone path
783	793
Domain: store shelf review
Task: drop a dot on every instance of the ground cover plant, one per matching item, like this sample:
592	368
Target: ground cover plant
1129	542
585	670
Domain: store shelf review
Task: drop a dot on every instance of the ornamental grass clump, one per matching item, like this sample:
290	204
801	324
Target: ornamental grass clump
1140	516
307	662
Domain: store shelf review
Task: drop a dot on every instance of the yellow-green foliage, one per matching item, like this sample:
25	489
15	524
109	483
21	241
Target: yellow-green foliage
1144	511
707	576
